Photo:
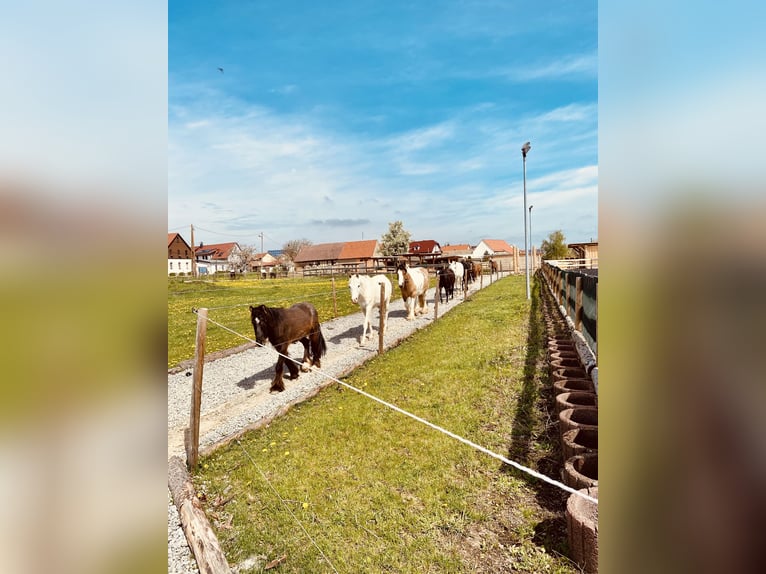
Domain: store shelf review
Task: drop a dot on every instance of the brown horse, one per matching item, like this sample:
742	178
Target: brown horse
282	327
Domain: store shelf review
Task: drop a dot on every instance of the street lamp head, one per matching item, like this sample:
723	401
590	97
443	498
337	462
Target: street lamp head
525	148
530	208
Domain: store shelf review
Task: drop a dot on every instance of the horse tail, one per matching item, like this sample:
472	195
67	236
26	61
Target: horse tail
322	344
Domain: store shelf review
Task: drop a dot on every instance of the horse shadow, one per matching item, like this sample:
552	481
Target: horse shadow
350	333
535	400
264	375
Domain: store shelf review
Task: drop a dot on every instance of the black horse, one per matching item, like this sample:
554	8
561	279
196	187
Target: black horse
446	278
282	327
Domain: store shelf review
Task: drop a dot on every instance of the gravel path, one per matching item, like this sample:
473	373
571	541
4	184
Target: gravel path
235	390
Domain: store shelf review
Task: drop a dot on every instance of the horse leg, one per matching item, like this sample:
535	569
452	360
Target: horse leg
306	365
365	324
409	305
367	327
291	366
316	348
278	384
422	303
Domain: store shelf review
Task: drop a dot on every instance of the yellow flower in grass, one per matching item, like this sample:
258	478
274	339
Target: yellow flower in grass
305	505
287	453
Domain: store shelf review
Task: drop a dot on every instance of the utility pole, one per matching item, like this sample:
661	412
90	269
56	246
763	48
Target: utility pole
261	236
193	256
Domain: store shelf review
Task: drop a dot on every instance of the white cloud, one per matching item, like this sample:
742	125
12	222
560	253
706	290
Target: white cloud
585	65
423	138
275	172
284	90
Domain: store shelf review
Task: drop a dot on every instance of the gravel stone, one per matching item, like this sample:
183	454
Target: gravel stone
235	389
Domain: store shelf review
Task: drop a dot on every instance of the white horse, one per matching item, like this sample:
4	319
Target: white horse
459	270
366	292
413	282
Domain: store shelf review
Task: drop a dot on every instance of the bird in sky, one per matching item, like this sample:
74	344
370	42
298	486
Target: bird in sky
220	70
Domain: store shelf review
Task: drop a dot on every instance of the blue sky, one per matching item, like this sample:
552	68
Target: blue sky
332	119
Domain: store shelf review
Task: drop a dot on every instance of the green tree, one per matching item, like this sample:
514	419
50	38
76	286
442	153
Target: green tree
555	247
396	241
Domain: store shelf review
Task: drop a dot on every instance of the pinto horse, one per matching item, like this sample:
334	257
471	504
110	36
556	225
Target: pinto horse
413	282
366	292
283	327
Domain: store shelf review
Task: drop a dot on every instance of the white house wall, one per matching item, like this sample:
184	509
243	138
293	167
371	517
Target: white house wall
478	251
179	266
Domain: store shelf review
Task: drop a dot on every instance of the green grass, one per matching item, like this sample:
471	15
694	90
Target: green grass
237	294
379	492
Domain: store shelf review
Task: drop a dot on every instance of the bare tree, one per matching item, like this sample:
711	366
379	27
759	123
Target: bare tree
292	247
241	260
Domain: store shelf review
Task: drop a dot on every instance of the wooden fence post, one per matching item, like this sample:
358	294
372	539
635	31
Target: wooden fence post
202	540
382	317
334	299
192	444
560	289
436	302
578	304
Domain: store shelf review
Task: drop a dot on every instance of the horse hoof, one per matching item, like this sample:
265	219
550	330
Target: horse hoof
305	367
274	389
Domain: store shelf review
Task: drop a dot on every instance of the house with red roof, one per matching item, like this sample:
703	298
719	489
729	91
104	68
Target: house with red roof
457	251
492	247
217	257
264	263
354	256
179	255
424	247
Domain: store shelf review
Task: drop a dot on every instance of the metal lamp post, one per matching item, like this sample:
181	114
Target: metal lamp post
524	149
531	243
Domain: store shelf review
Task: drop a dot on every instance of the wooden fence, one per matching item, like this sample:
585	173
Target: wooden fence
575	287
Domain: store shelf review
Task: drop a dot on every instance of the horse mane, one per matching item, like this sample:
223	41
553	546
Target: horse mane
409	283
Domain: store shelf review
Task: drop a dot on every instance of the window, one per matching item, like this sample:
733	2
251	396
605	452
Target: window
171	265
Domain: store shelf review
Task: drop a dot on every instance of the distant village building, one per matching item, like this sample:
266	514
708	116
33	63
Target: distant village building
424	251
217	257
458	251
492	247
588	250
179	255
499	251
263	263
351	256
